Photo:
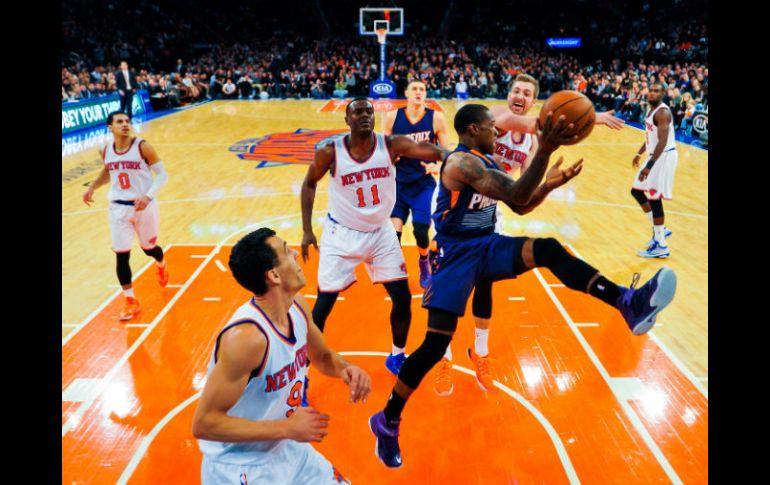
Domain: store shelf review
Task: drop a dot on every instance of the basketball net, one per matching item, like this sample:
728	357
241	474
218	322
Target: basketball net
381	34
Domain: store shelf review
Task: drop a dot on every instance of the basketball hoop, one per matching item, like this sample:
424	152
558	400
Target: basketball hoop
381	34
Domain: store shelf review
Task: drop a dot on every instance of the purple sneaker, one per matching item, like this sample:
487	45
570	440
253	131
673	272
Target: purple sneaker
424	272
640	306
386	431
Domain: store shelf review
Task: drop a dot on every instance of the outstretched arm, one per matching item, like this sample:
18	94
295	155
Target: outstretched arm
315	172
403	146
464	168
506	120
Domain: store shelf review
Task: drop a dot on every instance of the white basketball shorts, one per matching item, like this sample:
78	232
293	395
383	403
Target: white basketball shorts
342	249
292	464
125	221
660	182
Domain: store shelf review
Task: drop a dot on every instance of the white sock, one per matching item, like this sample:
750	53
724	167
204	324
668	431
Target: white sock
482	342
129	292
397	350
448	353
660	234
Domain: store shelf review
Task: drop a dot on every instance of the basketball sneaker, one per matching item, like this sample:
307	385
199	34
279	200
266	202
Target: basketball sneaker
162	275
443	385
394	363
386	447
483	371
424	272
640	306
130	308
666	235
654	250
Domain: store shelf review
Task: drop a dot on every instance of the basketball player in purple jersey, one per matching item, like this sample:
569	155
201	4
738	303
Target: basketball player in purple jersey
466	249
513	153
414	182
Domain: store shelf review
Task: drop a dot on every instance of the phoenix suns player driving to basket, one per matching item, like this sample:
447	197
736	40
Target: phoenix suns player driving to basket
514	151
129	165
466	249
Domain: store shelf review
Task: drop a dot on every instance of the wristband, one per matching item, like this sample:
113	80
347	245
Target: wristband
649	165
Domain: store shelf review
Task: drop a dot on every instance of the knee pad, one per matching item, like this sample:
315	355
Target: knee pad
156	252
548	252
639	196
421	234
482	299
573	272
657	208
422	360
123	268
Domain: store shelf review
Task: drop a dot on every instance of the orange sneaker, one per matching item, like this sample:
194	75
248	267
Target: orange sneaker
443	385
483	371
130	308
162	275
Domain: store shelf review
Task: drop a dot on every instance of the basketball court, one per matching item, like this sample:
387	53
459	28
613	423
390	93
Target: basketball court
578	399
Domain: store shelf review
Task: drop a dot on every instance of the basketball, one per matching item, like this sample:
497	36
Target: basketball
575	107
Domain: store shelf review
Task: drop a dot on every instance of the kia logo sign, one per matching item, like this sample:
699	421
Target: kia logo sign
382	88
700	122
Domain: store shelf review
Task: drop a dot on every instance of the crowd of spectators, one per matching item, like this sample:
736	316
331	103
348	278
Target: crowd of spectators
614	70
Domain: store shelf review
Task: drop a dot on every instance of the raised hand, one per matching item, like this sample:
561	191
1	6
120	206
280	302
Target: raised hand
607	119
556	176
551	135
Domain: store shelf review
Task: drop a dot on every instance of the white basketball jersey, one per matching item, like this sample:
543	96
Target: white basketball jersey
130	176
274	390
362	194
512	149
651	131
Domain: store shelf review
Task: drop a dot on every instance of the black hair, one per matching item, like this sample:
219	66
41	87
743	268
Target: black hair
357	98
468	115
111	116
251	257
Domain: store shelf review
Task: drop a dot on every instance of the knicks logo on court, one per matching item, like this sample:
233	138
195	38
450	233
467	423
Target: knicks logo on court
281	148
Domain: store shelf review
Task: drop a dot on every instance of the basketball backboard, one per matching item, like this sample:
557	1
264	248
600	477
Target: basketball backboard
372	18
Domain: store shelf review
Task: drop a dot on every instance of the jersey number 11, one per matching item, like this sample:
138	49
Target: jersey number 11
375	196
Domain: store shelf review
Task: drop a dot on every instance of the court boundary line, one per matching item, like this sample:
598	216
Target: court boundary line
104	304
674	359
75	417
561	450
627	409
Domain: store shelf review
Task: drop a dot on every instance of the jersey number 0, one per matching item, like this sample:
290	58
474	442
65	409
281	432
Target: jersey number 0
375	196
125	182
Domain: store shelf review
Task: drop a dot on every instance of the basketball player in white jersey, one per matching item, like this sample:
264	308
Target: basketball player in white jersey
129	164
414	178
655	179
515	146
362	194
249	422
